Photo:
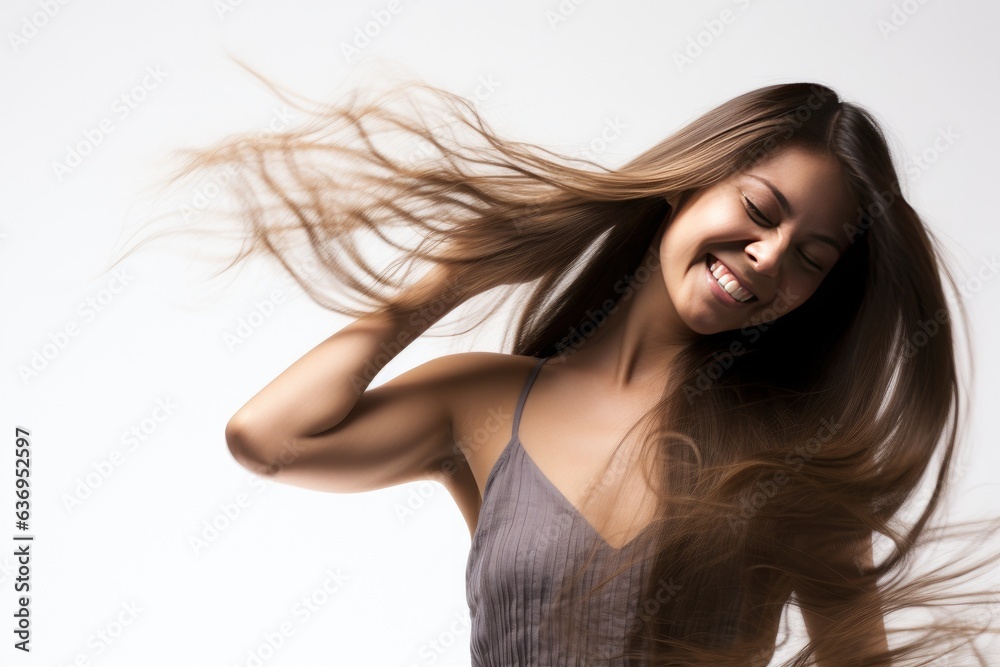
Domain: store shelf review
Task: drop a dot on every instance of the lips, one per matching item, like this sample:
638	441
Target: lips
741	292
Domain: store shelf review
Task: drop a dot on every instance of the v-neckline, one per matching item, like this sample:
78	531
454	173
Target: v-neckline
576	512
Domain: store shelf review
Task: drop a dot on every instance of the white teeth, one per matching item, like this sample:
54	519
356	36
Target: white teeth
729	283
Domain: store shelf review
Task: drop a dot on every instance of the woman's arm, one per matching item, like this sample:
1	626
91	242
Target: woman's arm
315	425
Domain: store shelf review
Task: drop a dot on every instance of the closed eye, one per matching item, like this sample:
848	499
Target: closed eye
758	218
754	212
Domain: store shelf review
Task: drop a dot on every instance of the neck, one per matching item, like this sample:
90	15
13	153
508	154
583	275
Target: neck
636	342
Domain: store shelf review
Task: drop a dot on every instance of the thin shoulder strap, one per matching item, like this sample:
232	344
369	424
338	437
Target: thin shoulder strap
524	395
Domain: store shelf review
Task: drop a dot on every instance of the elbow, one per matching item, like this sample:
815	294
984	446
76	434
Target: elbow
243	447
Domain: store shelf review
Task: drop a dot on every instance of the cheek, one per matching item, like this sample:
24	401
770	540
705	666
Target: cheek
713	221
677	245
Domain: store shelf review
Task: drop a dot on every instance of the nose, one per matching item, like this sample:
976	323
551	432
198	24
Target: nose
765	254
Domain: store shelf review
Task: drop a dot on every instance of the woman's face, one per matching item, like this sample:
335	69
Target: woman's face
778	244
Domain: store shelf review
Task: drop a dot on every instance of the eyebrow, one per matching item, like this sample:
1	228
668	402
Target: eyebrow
787	208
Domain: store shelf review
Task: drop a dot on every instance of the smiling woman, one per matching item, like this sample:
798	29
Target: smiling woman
762	234
771	233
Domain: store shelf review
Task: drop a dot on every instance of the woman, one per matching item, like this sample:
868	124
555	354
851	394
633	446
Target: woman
735	366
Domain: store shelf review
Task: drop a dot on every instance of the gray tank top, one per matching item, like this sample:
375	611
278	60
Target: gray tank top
529	537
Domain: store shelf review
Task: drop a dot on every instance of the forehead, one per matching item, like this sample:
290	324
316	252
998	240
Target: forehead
812	182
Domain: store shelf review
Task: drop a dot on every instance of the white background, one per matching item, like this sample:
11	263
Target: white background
558	73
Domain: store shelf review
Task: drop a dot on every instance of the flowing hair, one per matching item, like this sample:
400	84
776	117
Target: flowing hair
775	452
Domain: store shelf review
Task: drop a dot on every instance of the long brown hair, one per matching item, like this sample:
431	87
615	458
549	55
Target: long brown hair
777	449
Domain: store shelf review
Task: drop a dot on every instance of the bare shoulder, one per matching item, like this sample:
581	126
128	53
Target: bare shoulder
482	380
481	390
468	380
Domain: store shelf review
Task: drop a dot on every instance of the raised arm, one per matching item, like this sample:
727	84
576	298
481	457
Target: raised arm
316	426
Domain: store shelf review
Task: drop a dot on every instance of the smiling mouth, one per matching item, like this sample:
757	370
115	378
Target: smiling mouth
727	282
